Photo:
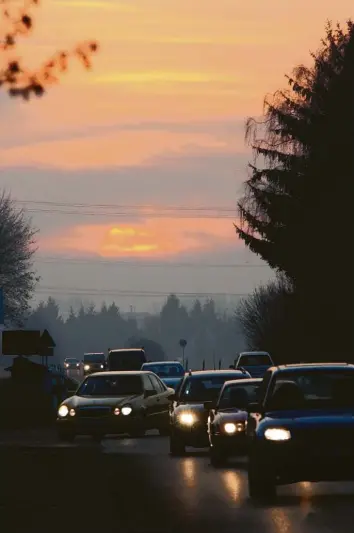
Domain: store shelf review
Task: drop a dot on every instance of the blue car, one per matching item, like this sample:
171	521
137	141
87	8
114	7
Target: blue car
302	427
170	372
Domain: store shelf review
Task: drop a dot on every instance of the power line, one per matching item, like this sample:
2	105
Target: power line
130	206
141	294
132	214
139	264
121	210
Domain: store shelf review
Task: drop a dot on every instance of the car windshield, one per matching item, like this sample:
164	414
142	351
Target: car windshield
166	370
238	396
94	358
204	388
254	360
110	386
71	360
314	389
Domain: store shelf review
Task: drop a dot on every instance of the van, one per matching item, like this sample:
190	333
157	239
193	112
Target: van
126	359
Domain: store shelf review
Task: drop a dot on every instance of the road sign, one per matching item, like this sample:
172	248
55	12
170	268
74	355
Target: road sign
2	317
27	342
47	339
20	342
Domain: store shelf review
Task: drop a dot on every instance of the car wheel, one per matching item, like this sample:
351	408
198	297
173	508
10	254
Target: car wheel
137	433
177	446
261	483
66	436
216	458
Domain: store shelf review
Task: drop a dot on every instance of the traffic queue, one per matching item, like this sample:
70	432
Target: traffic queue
295	423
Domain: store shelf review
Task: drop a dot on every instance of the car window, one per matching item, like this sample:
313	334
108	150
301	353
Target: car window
238	396
204	388
147	382
113	385
254	360
312	389
156	384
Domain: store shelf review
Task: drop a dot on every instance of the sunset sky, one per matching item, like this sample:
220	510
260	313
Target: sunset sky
153	133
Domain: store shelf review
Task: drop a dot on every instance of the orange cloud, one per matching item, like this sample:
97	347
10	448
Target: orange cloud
150	238
129	148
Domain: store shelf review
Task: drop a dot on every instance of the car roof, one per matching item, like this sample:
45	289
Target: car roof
94	353
121	373
242	382
254	353
313	366
126	350
215	373
162	363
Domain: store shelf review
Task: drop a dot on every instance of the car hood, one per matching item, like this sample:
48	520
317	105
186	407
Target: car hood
231	416
171	382
310	418
98	401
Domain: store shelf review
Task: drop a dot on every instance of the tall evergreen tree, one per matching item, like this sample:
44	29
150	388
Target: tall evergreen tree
296	210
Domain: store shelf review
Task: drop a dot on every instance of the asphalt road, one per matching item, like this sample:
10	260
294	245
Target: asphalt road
134	486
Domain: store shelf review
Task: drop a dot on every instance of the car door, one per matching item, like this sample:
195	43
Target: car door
150	401
162	401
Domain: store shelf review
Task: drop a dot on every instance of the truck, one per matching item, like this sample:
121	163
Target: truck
255	363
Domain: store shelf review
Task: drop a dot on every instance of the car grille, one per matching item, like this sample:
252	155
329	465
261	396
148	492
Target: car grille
93	412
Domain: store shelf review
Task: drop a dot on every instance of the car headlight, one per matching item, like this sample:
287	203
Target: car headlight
277	434
87	367
102	366
187	419
72	412
77	364
63	411
117	411
66	365
126	410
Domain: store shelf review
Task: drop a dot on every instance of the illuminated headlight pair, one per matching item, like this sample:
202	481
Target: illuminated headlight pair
231	428
64	411
187	419
277	434
125	411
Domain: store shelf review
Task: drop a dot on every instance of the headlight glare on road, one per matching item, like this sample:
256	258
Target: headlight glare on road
63	411
87	367
277	434
230	428
117	411
126	410
187	419
72	412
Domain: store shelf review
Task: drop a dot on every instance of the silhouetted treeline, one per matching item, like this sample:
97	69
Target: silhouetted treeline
297	210
209	335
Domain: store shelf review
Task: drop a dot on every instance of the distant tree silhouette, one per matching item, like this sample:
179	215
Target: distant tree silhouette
268	322
15	77
297	209
89	330
17	247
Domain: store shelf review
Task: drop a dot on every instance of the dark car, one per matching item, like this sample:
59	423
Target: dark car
71	363
115	403
256	363
94	362
170	372
302	427
188	415
228	417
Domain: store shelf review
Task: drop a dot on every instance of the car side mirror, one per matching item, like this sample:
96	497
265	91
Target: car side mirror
149	393
209	405
253	407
